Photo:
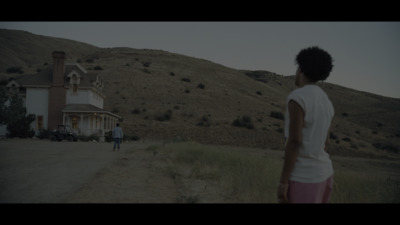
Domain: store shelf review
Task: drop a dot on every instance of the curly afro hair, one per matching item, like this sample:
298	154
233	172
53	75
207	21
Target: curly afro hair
315	63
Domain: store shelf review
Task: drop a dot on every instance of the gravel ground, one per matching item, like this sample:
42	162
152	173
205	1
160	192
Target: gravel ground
41	171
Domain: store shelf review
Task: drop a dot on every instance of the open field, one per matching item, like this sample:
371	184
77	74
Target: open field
33	171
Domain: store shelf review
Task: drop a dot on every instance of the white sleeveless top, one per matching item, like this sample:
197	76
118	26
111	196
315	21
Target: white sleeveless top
313	164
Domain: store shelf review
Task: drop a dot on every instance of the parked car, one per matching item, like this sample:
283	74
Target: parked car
63	132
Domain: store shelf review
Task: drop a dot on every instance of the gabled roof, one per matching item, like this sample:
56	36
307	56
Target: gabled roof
45	77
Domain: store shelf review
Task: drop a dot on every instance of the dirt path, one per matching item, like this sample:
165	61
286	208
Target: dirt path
33	171
135	177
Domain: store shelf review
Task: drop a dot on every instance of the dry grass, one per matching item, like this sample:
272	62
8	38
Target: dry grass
217	174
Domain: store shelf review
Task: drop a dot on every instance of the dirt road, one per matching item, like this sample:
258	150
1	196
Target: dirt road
41	171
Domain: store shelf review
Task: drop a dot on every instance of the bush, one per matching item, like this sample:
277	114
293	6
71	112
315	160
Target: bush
333	136
387	146
136	111
346	139
244	121
277	115
201	86
108	136
164	116
86	138
204	122
98	68
15	69
146	64
44	134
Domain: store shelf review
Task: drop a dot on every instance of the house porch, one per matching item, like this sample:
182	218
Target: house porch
89	120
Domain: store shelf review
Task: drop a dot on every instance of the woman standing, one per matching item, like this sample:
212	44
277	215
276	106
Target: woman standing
307	174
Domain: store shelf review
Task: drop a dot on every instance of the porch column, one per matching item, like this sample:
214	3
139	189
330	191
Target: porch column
81	124
89	124
64	119
102	138
107	122
102	125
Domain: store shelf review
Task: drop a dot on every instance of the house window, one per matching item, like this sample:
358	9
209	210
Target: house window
74	88
39	122
75	122
74	81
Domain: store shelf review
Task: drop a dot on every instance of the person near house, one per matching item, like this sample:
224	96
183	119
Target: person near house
307	173
117	135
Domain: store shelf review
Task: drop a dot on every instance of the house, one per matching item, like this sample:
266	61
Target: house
65	94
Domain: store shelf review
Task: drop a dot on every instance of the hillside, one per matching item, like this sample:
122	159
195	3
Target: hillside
21	48
163	95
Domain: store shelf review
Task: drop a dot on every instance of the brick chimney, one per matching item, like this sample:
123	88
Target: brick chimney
58	68
57	92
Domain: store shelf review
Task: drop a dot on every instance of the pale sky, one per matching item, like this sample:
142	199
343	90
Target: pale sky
366	54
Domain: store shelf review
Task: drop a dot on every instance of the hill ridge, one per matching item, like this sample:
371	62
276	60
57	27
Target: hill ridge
204	99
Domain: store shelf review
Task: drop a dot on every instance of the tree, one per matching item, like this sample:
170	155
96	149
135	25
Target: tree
13	113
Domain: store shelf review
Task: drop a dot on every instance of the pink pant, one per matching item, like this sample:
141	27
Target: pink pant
310	192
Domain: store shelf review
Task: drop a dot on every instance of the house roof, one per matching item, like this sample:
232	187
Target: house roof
85	108
45	77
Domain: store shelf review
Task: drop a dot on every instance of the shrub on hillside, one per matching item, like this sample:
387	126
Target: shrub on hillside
15	69
277	115
185	80
146	64
244	121
164	116
136	111
201	86
347	139
333	136
204	122
390	147
97	68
